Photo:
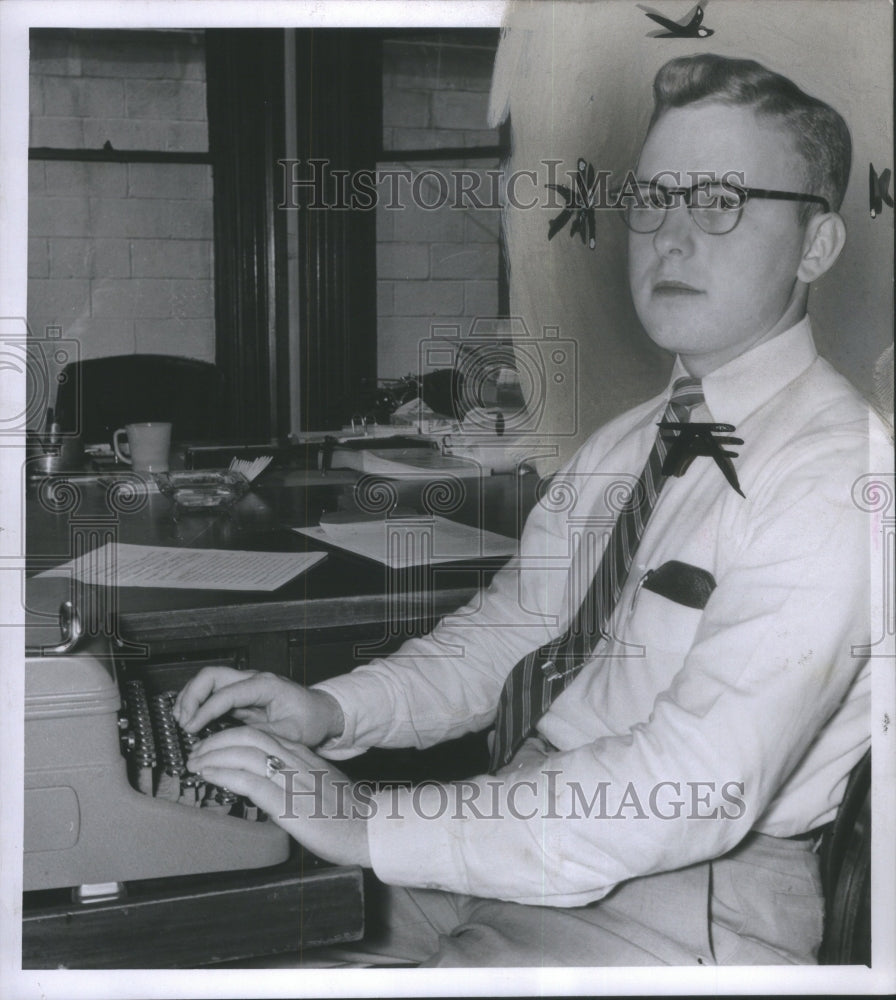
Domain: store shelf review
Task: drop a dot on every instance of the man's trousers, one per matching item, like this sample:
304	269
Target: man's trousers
760	904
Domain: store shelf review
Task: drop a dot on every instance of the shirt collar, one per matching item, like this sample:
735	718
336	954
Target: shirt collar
741	386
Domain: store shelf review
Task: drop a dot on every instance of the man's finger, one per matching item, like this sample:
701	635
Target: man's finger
240	736
198	688
293	801
251	759
309	758
241	694
250	764
262	792
258	736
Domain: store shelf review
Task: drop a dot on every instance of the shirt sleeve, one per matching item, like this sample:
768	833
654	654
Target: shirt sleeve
770	663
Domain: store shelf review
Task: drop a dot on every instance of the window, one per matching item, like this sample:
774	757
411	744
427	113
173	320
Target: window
152	224
371	285
439	258
121	250
156	222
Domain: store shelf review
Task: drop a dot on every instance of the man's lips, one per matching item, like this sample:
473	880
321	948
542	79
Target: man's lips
669	287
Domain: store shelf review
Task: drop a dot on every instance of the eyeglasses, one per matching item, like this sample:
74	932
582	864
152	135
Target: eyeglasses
716	206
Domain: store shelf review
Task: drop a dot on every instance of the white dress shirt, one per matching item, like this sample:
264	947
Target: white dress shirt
748	713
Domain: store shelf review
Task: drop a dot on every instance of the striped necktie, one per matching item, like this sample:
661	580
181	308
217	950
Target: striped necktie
542	674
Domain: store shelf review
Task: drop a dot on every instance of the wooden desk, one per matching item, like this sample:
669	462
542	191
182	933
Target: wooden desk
342	612
346	608
199	920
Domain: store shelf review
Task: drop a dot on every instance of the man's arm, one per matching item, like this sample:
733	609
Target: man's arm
447	683
770	664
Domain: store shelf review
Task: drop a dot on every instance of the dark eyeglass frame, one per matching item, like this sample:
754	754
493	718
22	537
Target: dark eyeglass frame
742	193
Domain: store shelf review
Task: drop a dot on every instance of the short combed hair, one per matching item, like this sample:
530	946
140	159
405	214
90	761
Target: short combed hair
819	132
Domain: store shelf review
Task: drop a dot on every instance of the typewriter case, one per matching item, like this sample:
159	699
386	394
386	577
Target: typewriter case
84	822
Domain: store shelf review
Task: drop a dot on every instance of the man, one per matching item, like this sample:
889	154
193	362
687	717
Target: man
663	808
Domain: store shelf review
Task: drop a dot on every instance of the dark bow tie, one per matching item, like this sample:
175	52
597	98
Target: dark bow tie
692	439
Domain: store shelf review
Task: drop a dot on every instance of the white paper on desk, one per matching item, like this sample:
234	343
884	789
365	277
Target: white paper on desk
122	565
415	541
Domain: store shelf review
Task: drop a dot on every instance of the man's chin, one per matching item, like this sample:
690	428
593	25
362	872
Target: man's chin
676	325
676	340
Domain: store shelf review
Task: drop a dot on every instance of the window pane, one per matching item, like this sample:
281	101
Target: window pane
435	93
134	89
437	255
121	254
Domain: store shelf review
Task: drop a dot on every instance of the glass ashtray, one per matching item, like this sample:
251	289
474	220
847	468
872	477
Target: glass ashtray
206	489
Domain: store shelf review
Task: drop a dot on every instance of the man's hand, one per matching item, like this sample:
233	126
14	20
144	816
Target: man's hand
270	703
307	797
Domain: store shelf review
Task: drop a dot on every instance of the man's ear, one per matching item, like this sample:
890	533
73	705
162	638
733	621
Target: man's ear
825	238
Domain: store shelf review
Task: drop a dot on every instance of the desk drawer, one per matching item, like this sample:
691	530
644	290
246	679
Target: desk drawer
172	923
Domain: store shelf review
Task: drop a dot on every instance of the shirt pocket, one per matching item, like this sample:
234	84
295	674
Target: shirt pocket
660	625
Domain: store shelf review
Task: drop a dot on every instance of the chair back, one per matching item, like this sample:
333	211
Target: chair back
846	874
99	395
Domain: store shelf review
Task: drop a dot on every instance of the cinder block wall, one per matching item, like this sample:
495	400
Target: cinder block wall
434	265
120	255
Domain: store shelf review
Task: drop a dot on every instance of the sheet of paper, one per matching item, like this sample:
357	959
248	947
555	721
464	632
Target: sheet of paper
122	565
401	542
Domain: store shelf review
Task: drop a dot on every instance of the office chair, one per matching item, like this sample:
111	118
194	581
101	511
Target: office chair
846	874
99	395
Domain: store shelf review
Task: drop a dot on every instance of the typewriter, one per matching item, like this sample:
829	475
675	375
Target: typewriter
108	797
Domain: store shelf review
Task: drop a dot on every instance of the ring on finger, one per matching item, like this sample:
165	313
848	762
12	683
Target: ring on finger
273	765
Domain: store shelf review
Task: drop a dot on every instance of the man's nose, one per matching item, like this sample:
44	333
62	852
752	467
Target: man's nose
676	234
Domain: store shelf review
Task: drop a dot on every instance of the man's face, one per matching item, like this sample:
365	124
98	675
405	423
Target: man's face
711	298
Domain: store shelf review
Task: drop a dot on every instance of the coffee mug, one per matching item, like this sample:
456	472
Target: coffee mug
147	445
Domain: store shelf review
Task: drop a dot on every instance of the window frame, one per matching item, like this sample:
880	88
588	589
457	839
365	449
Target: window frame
336	68
499	151
244	71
